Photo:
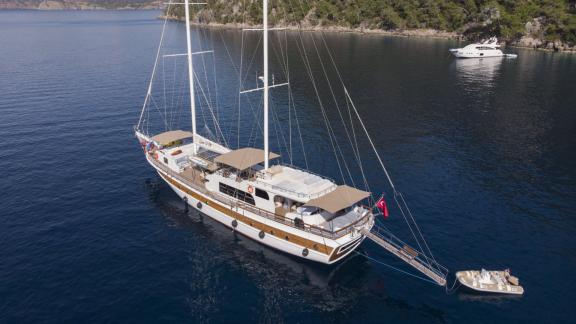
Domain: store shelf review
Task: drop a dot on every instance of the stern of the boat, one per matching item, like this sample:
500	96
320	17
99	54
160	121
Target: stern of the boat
353	240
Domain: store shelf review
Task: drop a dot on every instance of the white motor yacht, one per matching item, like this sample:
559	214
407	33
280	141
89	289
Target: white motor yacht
488	48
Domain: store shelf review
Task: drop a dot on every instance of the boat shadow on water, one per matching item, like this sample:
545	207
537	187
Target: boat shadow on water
469	295
280	277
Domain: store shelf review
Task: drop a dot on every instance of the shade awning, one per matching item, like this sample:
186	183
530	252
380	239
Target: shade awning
171	136
342	197
244	158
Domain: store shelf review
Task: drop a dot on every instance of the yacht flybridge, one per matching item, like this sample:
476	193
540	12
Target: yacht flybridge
488	48
251	191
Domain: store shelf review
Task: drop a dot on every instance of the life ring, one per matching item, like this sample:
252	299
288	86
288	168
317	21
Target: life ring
250	189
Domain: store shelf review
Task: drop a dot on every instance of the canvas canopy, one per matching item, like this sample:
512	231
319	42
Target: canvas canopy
244	158
342	197
171	136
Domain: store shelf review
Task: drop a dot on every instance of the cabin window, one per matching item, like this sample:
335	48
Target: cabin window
238	194
166	160
262	194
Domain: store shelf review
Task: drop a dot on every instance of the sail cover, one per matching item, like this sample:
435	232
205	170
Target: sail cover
244	158
171	136
342	197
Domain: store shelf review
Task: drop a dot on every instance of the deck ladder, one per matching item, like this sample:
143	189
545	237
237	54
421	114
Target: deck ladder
406	253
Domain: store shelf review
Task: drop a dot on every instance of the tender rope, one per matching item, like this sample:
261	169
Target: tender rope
454	287
395	268
449	289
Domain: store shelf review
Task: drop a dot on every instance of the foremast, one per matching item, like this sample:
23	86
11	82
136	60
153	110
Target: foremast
189	55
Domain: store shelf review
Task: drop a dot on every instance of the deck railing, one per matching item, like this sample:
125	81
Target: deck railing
238	205
294	192
430	264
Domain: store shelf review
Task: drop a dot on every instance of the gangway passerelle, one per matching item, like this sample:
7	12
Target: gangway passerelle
427	266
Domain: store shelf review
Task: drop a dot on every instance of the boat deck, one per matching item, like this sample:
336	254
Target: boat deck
193	175
341	221
194	178
296	183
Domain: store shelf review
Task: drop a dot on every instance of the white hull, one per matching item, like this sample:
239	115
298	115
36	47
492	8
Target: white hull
489	48
339	248
471	280
462	54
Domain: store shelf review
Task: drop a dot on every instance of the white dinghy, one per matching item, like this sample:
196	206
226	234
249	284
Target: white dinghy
500	282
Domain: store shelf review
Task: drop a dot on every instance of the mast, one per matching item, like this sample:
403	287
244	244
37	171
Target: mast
190	70
265	48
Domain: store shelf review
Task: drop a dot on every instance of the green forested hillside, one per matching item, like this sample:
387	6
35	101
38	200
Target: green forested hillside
546	20
77	4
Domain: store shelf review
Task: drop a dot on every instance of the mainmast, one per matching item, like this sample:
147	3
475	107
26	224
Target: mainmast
190	69
265	48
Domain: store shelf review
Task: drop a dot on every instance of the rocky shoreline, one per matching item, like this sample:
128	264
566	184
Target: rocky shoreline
526	42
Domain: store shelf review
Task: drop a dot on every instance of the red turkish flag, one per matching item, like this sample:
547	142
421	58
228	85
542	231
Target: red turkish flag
381	204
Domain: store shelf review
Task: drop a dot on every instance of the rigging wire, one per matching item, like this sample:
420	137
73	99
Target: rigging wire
149	92
395	268
335	103
216	123
386	173
396	193
311	76
208	98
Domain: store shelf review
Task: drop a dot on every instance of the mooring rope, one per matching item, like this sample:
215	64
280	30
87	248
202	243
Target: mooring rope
449	291
397	269
452	289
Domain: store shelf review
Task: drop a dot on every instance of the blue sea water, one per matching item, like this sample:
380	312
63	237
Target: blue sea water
483	150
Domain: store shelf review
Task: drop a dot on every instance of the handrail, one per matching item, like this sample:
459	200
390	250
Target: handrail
399	244
302	195
264	213
298	194
294	192
308	171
